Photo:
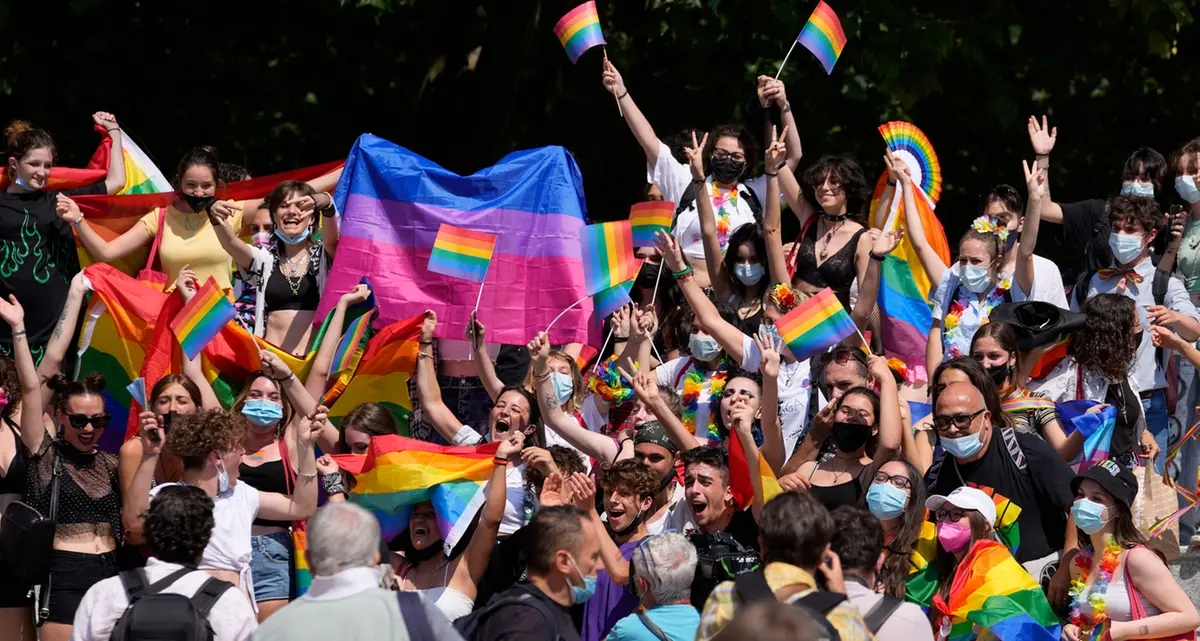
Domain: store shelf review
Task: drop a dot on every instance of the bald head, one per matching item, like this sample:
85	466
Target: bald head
959	398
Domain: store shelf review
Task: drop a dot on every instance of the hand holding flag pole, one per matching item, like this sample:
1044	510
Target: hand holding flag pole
615	96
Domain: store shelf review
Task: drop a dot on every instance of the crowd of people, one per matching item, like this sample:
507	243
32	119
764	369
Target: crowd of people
624	502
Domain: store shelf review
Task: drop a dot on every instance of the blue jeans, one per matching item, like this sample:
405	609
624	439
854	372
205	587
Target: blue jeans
465	397
1189	455
270	565
1158	423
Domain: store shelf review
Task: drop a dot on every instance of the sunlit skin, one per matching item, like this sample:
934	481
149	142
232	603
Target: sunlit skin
1131	227
732	146
357	440
423	528
33	169
950	376
623	508
962	399
261	222
264	388
831	195
841	377
987	352
972	251
707	491
896	468
198	181
83	439
174	398
739	391
290	219
641	414
511	411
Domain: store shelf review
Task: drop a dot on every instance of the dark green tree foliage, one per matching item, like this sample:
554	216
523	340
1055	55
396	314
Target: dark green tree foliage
276	85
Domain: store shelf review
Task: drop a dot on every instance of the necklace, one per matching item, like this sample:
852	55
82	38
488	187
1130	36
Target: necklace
294	270
187	222
1096	595
693	385
829	234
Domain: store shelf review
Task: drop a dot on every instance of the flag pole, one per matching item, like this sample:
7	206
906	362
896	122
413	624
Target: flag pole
474	312
560	314
654	296
618	99
600	355
785	58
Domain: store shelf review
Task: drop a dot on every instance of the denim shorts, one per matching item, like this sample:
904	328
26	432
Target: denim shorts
271	566
71	575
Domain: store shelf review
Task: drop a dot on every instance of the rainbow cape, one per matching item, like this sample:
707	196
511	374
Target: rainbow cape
991	590
393	201
922	582
1007	529
1097	430
815	325
398	473
823	36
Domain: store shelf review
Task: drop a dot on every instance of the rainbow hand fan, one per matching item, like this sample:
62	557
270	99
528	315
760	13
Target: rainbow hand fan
912	146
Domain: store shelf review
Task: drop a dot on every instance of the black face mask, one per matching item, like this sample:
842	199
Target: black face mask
999	374
726	169
648	275
199	203
633	525
848	437
416	556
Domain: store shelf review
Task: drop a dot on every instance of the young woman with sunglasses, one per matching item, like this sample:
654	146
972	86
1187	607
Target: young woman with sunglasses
896	497
88	523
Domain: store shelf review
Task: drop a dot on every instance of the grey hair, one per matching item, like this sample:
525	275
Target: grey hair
668	564
342	536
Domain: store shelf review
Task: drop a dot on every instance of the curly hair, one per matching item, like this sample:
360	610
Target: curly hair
21	138
840	171
11	384
979	379
194	436
179	524
567	460
629	477
64	390
714	403
228	172
745	140
1144	211
1097	345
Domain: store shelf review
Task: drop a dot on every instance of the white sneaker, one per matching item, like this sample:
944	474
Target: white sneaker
1196	540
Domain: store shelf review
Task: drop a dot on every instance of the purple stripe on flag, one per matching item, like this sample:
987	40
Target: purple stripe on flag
392	222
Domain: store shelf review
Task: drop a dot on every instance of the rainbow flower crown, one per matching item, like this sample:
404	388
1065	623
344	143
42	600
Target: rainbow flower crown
988	225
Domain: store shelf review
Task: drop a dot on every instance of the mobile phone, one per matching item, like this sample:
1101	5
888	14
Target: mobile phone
1176	210
166	421
155	436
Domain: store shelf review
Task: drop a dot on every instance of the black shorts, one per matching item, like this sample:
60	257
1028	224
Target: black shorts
71	575
13	591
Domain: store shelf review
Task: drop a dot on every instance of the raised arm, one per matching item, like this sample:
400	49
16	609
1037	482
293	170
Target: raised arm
771	90
594	444
474	561
583	490
485	369
33	425
320	184
60	340
1042	138
319	374
930	261
101	250
775	161
637	122
303	500
304	406
114	180
1038	189
728	336
645	386
432	407
889	420
321	204
740	425
186	285
708	221
769	345
873	248
219	213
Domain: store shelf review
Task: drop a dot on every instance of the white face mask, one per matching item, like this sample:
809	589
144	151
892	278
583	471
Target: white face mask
1185	186
976	279
1125	247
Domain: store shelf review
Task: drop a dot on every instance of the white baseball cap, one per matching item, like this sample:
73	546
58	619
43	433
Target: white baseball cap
966	498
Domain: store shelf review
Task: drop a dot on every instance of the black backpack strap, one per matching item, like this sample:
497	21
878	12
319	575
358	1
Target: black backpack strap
653	627
881	613
1158	288
1081	287
752	587
208	595
686	200
821	601
1014	448
756	207
135	583
416	620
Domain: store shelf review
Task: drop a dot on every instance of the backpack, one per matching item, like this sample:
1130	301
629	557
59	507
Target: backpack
469	625
155	616
688	198
720	557
881	612
752	587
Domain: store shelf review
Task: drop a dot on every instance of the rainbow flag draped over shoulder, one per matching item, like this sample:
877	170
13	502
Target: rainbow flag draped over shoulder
991	590
382	374
1007	529
398	473
393	201
922	581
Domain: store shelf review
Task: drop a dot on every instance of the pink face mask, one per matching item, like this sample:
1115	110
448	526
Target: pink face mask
3	399
953	537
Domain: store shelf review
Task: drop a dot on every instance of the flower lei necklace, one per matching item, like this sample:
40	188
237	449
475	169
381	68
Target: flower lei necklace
952	331
693	384
720	200
1096	595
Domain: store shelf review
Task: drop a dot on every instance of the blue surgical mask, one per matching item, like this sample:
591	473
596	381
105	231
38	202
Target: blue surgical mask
703	347
1143	190
976	279
1089	516
1185	186
581	593
22	184
963	446
296	240
1125	247
564	386
262	412
222	478
886	501
749	274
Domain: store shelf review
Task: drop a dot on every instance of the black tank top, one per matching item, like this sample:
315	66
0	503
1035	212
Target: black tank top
837	272
300	293
268	477
13	482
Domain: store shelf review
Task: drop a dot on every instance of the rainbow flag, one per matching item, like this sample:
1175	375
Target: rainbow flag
202	319
1050	359
1022	400
739	475
580	30
461	253
1007	529
815	325
398	473
381	375
823	36
648	218
142	176
991	590
922	581
612	299
608	260
347	349
1097	430
393	202
301	573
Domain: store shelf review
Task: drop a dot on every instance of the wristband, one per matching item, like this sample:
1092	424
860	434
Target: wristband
786	108
499	462
624	95
683	272
425	342
18	334
333	483
891	183
874	257
113	129
772	175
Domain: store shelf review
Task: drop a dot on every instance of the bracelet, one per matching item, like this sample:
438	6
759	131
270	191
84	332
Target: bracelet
686	276
499	462
113	129
424	355
333	483
891	183
18	334
786	108
772	175
310	475
687	269
425	342
874	257
624	95
289	377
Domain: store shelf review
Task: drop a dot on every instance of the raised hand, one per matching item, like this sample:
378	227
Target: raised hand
186	283
886	242
151	435
357	295
646	323
672	256
303	203
878	367
771	90
898	170
644	384
741	419
428	326
316	423
221	210
612	80
273	367
105	120
583	490
695	155
325	465
620	321
475	329
776	154
67	209
552	491
539	349
539	458
511	446
1041	136
1035	181
769	345
12	312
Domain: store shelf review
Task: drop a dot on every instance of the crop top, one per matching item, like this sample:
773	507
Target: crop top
89	497
268	477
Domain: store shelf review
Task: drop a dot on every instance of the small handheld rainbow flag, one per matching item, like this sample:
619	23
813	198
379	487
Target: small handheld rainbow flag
650	217
580	30
202	319
815	325
607	250
610	300
462	253
347	349
823	36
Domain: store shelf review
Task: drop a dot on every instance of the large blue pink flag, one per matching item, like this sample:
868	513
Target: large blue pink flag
393	201
1096	429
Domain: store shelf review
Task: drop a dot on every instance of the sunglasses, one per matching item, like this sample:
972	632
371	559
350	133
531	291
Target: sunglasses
80	421
843	356
960	421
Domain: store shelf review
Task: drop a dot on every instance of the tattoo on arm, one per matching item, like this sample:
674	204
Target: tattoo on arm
550	400
58	327
1145	630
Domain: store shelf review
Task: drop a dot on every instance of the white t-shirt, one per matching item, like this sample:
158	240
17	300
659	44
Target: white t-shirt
514	504
795	388
673	178
234	511
1047	283
673	374
678	517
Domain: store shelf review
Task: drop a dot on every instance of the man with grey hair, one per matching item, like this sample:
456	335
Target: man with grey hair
345	601
663	567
